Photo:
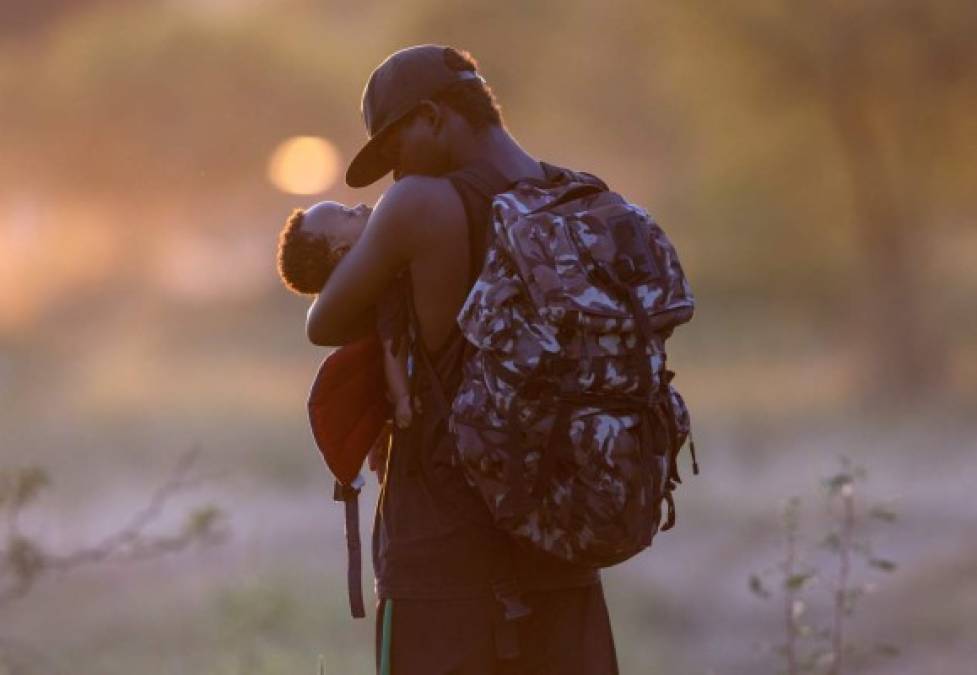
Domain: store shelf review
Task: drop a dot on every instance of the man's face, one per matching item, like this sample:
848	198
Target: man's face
413	146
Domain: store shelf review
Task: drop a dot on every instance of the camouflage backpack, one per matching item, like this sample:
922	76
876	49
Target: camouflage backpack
565	419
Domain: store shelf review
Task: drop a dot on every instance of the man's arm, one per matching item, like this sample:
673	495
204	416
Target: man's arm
345	308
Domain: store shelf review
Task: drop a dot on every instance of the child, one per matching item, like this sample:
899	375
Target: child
310	245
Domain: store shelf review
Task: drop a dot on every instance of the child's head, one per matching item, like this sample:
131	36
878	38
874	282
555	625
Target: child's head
313	241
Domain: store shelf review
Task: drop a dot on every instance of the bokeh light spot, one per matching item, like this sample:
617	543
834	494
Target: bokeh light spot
304	165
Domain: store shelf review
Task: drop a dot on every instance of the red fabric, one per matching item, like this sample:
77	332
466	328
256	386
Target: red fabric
348	406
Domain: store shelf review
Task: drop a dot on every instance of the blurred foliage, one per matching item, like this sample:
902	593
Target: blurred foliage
20	486
801	155
812	644
24	558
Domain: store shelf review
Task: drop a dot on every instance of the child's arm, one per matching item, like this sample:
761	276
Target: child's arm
377	457
398	389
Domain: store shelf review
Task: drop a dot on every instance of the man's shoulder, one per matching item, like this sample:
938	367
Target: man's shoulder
425	208
427	195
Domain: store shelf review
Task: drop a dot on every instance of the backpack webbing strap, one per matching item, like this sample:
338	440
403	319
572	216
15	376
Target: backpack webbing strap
440	397
510	609
558	432
349	495
504	586
487	181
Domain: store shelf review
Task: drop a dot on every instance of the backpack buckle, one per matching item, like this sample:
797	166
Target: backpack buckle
344	493
513	608
625	269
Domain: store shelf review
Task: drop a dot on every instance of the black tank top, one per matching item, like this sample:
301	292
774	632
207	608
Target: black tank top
432	534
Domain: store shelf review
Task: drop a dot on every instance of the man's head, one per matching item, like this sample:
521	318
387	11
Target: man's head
313	241
421	106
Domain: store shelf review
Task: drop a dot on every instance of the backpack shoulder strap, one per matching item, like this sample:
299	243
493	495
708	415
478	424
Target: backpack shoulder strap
478	180
485	181
558	174
485	178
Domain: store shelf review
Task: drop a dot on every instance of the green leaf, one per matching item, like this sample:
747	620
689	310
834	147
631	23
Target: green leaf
887	649
882	564
757	587
20	486
849	599
796	581
24	558
824	634
837	482
882	513
205	523
832	542
792	513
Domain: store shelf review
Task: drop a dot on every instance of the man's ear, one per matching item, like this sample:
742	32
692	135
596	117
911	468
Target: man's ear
431	112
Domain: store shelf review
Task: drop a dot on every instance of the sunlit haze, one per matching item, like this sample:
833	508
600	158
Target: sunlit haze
304	165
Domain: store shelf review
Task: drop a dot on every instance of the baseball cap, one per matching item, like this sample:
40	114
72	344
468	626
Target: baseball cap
396	86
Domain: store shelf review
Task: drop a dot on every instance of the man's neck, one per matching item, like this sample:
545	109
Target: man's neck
496	146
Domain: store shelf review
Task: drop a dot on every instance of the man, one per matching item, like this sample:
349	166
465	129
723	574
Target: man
455	595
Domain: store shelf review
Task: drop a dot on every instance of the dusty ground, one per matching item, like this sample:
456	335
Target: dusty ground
272	598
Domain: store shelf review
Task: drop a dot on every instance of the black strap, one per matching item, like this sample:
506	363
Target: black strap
509	611
558	439
349	495
486	181
440	397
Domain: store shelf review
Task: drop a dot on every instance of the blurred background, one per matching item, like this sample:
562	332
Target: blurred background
814	164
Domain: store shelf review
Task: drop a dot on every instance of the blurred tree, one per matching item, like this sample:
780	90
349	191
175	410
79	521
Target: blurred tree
148	104
24	561
893	80
20	19
800	156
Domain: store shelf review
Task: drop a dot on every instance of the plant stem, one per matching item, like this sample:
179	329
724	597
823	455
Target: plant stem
791	594
844	552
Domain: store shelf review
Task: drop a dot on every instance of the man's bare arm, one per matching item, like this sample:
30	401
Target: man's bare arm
344	308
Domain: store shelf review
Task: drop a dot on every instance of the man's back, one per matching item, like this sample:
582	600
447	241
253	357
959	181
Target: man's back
426	503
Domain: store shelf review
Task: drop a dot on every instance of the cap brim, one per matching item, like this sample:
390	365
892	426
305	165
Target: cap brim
368	166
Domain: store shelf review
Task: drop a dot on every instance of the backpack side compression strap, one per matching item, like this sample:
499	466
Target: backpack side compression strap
349	495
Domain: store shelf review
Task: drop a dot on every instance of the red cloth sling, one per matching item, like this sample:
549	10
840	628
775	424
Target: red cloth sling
348	407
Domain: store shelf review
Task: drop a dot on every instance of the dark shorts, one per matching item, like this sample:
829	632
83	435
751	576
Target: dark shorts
568	633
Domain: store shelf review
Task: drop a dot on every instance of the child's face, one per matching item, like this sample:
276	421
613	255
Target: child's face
337	222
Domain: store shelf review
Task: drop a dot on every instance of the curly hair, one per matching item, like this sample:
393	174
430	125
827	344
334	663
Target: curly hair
472	99
305	262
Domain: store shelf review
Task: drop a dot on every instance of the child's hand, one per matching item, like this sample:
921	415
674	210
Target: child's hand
402	412
377	457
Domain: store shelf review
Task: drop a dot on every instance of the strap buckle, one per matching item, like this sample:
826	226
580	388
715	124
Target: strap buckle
513	609
507	594
344	493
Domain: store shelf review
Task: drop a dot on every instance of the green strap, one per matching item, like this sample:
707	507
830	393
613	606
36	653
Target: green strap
388	613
